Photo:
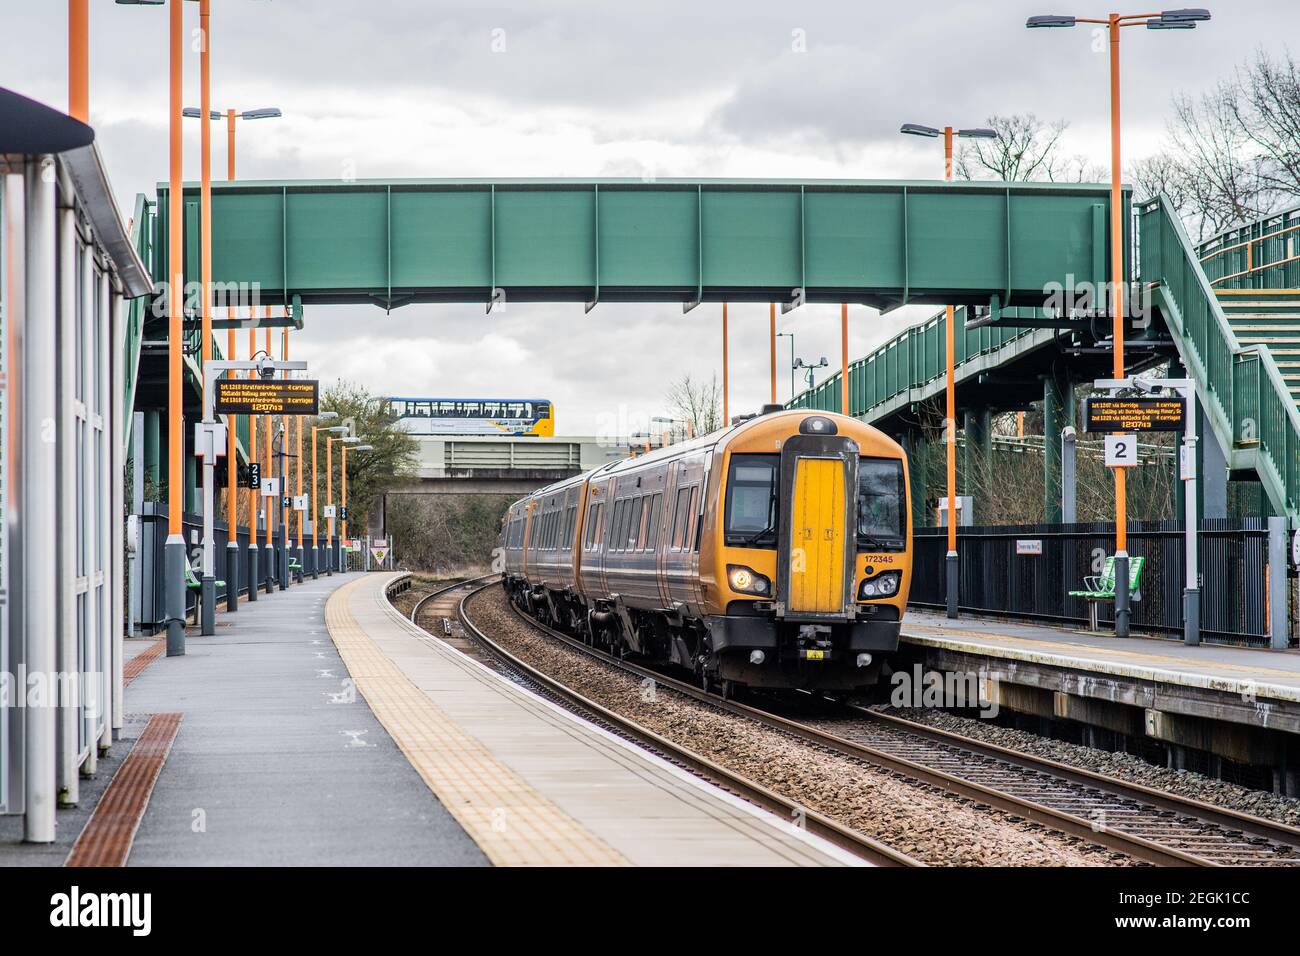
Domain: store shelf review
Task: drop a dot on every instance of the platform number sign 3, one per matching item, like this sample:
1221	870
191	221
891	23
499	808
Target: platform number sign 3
1121	451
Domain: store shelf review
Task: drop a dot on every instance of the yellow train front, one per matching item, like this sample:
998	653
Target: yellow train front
775	553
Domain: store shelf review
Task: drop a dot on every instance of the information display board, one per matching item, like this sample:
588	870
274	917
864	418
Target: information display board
1105	414
267	396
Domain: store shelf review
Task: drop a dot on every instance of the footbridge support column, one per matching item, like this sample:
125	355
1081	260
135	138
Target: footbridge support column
978	456
1058	412
917	449
1211	469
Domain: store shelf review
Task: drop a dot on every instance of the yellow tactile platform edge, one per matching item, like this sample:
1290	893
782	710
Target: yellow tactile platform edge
512	823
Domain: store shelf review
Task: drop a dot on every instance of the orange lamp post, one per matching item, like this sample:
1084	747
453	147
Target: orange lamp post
952	564
176	564
1114	22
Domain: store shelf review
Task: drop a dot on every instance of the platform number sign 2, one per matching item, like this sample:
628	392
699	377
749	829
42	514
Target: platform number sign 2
254	475
1121	451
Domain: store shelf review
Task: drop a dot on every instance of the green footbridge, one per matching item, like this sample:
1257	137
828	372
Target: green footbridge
1229	310
395	242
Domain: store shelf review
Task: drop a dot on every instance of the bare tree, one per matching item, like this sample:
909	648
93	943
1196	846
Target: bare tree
1026	148
1223	179
1233	154
699	403
1269	108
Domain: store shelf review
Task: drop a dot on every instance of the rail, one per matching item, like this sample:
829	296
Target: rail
1160	828
816	823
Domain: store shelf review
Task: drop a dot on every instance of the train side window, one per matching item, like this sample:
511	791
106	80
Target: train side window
634	524
699	524
619	526
680	518
593	525
652	523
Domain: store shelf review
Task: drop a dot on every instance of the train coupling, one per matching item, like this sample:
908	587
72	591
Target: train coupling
814	643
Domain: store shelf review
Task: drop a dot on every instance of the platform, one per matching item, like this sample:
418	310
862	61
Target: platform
267	769
319	727
530	782
1237	702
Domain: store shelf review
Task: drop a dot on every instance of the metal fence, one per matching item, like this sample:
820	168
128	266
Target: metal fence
1031	579
153	538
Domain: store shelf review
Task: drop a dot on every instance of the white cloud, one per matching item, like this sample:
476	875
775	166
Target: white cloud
414	89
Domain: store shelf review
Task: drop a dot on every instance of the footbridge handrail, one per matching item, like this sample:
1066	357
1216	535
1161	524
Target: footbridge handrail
1263	254
913	360
1247	402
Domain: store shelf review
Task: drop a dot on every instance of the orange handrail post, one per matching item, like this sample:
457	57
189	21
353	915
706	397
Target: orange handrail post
79	60
726	398
844	360
771	337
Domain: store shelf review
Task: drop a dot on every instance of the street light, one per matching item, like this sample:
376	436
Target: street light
800	363
343	493
950	387
1182	19
329	484
315	539
192	112
266	112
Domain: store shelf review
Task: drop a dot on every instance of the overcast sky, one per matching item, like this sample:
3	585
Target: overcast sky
417	88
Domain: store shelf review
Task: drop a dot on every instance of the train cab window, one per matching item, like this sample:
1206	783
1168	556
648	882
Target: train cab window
751	509
882	504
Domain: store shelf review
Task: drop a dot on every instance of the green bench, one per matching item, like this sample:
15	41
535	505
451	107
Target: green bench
1101	587
193	583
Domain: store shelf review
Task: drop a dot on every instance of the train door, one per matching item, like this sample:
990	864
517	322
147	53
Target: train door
817	542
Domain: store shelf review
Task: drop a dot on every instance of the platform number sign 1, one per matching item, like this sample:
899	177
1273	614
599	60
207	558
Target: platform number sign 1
1121	451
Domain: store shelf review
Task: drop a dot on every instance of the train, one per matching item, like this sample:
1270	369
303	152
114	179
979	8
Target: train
775	553
527	417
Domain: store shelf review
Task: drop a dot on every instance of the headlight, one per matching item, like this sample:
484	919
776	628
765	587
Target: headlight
747	581
881	586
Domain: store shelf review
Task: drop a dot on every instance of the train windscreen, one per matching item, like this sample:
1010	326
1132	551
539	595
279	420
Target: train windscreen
882	504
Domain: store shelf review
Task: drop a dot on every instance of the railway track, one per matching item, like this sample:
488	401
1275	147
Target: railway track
1153	826
450	601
